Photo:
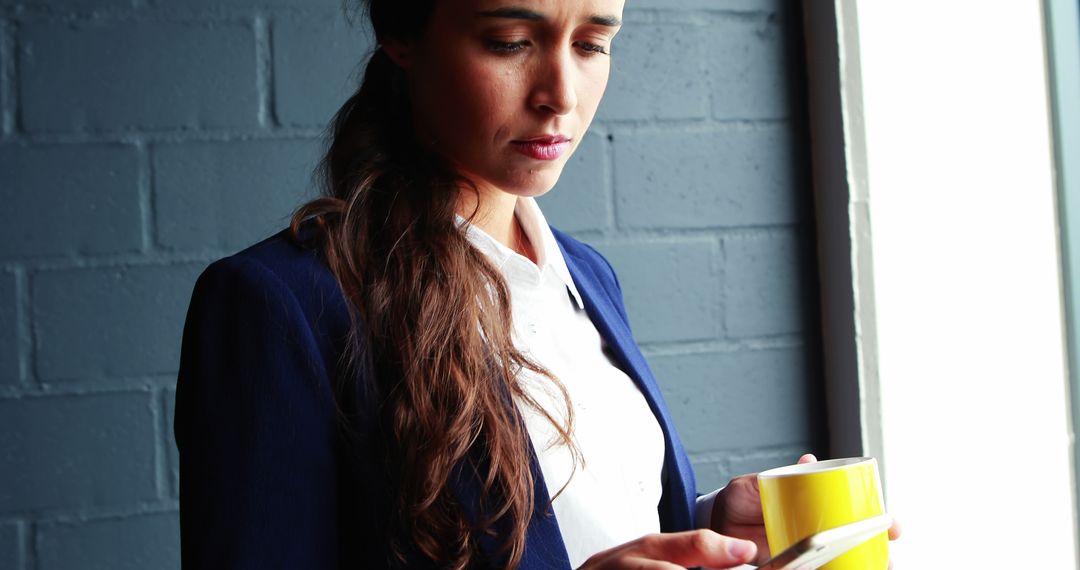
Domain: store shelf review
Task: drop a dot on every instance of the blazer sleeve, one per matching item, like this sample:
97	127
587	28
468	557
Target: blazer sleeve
254	426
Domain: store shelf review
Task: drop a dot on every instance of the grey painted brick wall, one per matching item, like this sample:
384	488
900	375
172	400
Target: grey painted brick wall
141	139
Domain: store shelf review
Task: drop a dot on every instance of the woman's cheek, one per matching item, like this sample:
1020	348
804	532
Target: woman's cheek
479	89
596	85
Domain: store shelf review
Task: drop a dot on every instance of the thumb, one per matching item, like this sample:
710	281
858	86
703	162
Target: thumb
807	458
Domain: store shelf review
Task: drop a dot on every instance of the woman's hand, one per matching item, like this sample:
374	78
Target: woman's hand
675	551
737	512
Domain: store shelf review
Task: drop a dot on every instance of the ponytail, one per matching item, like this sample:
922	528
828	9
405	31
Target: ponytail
431	327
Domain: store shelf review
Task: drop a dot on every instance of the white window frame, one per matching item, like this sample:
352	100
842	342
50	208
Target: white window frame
985	489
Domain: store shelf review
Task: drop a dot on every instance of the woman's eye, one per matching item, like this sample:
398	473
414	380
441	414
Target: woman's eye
592	48
506	47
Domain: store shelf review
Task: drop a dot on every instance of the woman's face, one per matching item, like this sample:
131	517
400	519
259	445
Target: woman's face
506	89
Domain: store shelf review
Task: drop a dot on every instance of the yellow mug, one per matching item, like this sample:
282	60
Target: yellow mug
800	500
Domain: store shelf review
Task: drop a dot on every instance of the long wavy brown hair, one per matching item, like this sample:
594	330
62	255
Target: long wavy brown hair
431	319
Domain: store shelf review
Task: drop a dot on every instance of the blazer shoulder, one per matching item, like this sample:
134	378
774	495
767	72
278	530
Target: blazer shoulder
298	267
279	265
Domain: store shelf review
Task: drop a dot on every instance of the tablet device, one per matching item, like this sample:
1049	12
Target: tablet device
819	549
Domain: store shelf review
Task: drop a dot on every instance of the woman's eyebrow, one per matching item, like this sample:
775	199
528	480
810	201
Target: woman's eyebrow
516	13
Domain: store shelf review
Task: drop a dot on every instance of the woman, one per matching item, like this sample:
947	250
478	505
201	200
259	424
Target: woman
420	372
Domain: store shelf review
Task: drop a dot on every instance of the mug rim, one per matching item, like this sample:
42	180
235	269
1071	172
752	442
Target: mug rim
816	467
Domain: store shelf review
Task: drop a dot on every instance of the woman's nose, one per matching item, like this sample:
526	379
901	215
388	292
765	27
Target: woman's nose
554	86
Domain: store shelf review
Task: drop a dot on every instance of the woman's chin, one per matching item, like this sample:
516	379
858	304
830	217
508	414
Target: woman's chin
535	182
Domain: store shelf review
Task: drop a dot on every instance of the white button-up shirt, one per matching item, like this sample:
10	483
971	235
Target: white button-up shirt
613	497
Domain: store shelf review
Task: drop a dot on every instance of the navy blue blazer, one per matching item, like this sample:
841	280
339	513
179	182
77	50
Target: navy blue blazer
267	480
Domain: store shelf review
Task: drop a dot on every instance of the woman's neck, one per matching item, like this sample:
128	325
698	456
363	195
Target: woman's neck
495	215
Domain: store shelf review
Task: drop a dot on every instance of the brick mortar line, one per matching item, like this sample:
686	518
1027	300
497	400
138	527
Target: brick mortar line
657	238
72	14
170	136
172	485
24	351
721	260
62	11
694	16
697	125
121	260
47	390
675	235
33	557
91	387
609	126
107	16
85	515
723	346
7	78
99	384
161	456
264	71
144	185
16	80
25	545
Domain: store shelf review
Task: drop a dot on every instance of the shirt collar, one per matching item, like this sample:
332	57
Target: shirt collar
537	230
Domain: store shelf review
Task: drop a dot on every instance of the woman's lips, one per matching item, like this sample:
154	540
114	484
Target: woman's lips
543	148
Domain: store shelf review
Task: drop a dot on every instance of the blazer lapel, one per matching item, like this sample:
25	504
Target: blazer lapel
544	544
679	488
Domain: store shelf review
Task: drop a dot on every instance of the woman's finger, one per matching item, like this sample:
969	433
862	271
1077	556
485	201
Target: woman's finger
894	530
700	547
807	458
676	550
645	564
